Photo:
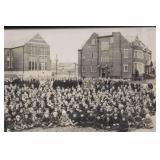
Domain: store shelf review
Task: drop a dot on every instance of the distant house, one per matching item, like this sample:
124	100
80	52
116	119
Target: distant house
31	55
64	68
113	56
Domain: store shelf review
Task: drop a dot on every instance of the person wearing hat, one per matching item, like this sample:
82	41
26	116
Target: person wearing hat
123	125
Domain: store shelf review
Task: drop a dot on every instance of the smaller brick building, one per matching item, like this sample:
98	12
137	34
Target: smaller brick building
112	56
31	55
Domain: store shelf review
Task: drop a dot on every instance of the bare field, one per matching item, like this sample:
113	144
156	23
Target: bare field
87	129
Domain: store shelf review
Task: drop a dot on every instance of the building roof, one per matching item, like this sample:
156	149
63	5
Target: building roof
138	43
22	42
105	36
134	43
14	44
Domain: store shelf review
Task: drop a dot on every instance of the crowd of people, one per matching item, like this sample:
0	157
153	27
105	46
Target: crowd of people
99	103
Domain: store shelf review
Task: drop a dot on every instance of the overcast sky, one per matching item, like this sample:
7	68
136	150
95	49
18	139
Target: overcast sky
66	42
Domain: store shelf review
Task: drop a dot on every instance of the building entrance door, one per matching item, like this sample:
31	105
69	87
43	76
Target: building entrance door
42	66
103	73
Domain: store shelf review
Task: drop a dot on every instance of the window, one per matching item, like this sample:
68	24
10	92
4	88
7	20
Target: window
92	55
30	65
93	69
8	64
43	55
126	52
45	66
139	66
42	66
33	51
84	69
93	42
104	45
135	66
11	61
8	59
104	58
148	57
101	59
111	39
135	54
35	65
125	67
138	54
8	54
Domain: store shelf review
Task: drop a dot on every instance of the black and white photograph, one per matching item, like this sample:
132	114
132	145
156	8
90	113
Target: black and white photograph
80	79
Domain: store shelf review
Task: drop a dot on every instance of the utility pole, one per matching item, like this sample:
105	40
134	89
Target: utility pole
56	65
80	62
75	68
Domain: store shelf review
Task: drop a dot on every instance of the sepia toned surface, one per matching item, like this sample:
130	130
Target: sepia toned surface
80	79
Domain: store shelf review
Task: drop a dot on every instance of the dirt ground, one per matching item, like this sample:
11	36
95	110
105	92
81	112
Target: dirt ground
87	129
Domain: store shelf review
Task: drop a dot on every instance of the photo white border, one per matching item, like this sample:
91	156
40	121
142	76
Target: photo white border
43	145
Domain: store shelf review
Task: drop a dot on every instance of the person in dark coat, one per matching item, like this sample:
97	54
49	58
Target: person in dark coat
5	126
123	126
115	121
138	121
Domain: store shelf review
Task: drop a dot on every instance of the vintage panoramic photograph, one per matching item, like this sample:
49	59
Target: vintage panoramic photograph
80	79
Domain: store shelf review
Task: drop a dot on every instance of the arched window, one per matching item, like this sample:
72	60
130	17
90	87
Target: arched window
35	65
30	65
